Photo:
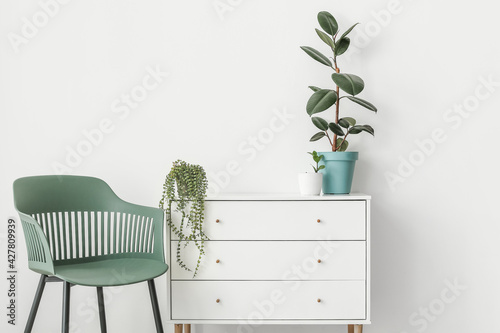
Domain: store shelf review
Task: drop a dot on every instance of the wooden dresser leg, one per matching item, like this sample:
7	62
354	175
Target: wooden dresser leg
358	328
178	328
187	328
350	328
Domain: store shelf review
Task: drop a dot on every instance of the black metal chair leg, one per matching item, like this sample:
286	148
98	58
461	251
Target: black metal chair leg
102	313
36	303
66	297
156	308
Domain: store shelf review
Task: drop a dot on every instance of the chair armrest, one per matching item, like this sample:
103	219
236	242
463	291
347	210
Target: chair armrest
39	257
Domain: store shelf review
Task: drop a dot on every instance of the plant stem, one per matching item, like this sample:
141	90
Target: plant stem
331	143
337	103
345	136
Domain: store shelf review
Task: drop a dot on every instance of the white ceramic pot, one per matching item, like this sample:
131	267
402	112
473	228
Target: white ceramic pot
310	183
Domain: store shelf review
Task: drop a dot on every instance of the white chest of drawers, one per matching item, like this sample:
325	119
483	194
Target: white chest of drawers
277	259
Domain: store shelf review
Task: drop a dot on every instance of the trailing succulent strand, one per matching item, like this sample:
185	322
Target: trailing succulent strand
184	191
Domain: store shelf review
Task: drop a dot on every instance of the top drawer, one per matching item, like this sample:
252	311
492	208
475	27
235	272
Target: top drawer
285	220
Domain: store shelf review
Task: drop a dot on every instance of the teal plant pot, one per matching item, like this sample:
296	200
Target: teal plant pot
338	172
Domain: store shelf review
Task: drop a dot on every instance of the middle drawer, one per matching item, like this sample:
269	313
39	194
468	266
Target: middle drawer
273	260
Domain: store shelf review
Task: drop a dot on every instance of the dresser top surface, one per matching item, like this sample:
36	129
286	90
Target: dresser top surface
285	197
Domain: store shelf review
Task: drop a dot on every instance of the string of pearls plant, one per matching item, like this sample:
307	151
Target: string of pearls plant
184	191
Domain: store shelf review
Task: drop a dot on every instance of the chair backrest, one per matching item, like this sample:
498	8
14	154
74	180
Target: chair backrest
84	220
62	194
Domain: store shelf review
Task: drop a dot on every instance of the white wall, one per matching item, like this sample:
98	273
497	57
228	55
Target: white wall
229	73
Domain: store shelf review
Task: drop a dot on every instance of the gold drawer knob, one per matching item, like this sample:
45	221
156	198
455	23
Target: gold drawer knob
217	300
319	300
217	261
319	261
217	221
318	220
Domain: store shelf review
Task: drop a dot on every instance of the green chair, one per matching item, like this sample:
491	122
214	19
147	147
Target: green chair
79	232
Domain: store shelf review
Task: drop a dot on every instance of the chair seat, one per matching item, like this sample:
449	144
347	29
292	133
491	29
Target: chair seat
111	272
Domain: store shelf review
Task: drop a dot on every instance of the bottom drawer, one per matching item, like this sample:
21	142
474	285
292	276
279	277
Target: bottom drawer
258	300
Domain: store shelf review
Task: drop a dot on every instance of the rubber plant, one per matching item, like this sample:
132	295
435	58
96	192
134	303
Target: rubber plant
323	99
184	191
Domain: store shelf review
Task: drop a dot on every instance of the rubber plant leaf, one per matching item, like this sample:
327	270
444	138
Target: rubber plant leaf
320	101
317	136
320	123
316	55
328	23
350	83
363	103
